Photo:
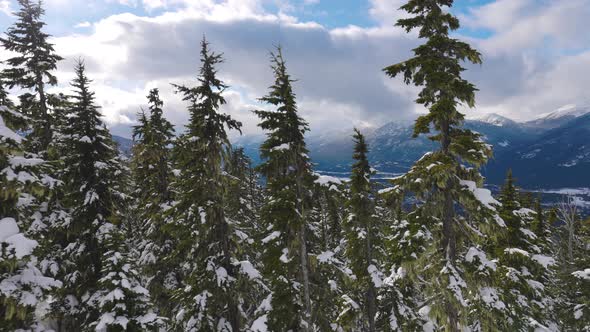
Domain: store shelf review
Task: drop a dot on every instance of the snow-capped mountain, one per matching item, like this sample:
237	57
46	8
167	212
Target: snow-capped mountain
549	152
496	120
560	116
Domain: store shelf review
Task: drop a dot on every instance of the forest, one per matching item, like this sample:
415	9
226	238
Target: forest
187	234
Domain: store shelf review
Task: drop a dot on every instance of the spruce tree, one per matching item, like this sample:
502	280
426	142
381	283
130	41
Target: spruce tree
289	178
22	285
523	273
31	67
152	174
92	181
362	235
208	244
453	206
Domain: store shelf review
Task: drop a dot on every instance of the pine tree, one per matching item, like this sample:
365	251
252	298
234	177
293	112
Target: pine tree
287	170
31	67
524	269
362	235
22	285
91	179
123	303
208	244
573	268
152	173
453	206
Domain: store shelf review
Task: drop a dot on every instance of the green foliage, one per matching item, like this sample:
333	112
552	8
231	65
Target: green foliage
208	244
284	215
31	67
92	179
152	174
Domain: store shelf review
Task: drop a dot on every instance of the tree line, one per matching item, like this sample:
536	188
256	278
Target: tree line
187	235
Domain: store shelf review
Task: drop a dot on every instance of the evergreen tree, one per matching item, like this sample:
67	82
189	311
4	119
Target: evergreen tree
152	173
31	67
287	170
572	269
22	285
453	206
123	303
362	235
524	269
92	180
208	244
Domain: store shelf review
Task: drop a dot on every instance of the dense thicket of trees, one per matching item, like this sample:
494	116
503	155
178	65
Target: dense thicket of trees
187	235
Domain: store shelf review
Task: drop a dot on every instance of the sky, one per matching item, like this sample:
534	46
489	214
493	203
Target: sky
536	55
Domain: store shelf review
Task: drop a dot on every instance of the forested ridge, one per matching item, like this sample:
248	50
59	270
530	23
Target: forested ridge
187	235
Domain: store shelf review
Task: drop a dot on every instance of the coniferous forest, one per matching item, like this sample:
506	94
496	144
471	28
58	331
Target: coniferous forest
188	235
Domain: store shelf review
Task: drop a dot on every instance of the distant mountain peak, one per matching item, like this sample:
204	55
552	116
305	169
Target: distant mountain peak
495	119
570	110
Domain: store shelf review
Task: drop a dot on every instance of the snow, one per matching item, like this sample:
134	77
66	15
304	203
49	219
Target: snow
248	269
481	194
584	274
8	228
272	236
285	256
546	261
325	256
388	190
259	325
490	296
516	251
327	180
21	245
375	275
16	242
6	133
284	146
483	259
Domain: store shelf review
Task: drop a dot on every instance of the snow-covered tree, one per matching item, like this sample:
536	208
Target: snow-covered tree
152	174
452	204
523	270
31	67
22	285
363	237
208	242
122	302
91	177
573	268
287	170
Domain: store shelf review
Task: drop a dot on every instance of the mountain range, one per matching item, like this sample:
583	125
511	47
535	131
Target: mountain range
552	151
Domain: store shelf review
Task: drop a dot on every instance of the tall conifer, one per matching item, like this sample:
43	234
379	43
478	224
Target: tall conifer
31	67
440	179
287	170
208	245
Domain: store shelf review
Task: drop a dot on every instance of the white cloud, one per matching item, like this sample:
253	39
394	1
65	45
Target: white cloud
5	7
340	82
84	24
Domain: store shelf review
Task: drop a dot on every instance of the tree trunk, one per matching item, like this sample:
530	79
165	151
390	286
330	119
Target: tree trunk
449	240
371	303
305	276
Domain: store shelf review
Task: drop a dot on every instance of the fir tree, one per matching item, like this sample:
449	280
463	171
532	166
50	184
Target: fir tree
91	179
572	269
123	303
208	245
22	285
441	179
152	173
362	238
287	170
523	276
31	67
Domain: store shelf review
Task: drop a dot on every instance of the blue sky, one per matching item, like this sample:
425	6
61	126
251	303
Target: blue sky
536	54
